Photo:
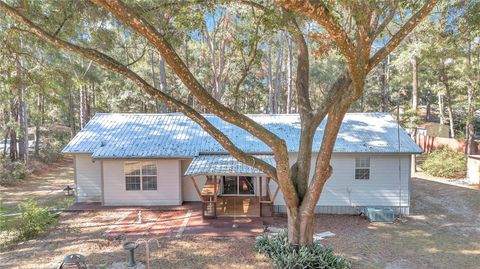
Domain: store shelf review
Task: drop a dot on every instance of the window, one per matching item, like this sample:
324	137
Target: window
140	176
230	185
245	186
238	185
362	168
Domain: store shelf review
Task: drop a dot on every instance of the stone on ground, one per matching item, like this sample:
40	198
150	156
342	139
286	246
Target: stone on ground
323	235
124	265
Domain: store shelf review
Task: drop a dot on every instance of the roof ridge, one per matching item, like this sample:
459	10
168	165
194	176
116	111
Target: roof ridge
211	114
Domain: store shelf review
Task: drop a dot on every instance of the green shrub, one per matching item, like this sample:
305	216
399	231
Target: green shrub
33	220
51	150
3	221
52	140
445	163
284	255
11	172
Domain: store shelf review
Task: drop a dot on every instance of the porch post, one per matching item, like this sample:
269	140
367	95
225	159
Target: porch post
268	188
261	195
215	187
215	183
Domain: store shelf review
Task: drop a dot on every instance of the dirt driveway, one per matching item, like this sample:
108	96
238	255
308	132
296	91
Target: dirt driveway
443	231
45	187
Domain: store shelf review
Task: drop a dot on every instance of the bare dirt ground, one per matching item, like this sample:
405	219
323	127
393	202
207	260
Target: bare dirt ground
85	233
45	187
443	231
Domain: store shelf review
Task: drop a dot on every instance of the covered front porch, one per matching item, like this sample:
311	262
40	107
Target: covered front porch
231	188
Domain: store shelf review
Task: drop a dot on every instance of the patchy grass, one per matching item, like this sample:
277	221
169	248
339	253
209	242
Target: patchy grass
45	187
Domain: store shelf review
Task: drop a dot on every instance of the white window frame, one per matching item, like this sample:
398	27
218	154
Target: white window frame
139	165
362	163
238	185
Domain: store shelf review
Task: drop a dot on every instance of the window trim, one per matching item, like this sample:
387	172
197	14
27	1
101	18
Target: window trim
359	165
141	164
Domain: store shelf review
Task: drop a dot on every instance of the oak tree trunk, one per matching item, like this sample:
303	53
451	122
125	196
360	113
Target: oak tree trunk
357	56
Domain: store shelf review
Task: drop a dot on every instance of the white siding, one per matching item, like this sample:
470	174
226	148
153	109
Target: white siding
384	188
473	169
188	189
168	185
88	178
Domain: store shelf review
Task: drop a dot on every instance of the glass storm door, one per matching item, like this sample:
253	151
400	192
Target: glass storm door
238	185
230	185
245	186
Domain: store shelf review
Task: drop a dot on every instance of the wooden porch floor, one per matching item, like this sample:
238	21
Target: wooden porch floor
239	206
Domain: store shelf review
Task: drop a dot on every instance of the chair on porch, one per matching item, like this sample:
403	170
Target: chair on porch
209	196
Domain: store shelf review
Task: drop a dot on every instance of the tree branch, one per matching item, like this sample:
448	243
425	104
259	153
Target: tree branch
321	14
303	70
126	15
113	65
278	145
378	30
401	34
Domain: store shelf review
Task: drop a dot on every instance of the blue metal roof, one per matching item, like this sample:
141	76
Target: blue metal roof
223	165
174	135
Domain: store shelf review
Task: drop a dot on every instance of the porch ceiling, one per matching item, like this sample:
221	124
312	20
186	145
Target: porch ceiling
224	165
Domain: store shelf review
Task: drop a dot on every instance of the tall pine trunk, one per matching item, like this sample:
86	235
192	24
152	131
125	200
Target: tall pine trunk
441	107
163	80
470	147
414	62
84	107
289	74
448	98
71	113
385	83
37	125
13	133
270	81
22	109
277	83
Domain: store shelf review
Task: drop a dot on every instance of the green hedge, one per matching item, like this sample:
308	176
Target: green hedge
284	255
445	163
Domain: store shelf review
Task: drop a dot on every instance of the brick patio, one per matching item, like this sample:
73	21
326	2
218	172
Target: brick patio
175	221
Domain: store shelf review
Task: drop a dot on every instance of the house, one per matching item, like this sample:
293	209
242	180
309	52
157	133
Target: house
167	159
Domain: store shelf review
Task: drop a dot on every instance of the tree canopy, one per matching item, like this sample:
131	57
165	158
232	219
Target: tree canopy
321	59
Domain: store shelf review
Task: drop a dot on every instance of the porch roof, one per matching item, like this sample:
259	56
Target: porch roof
224	165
